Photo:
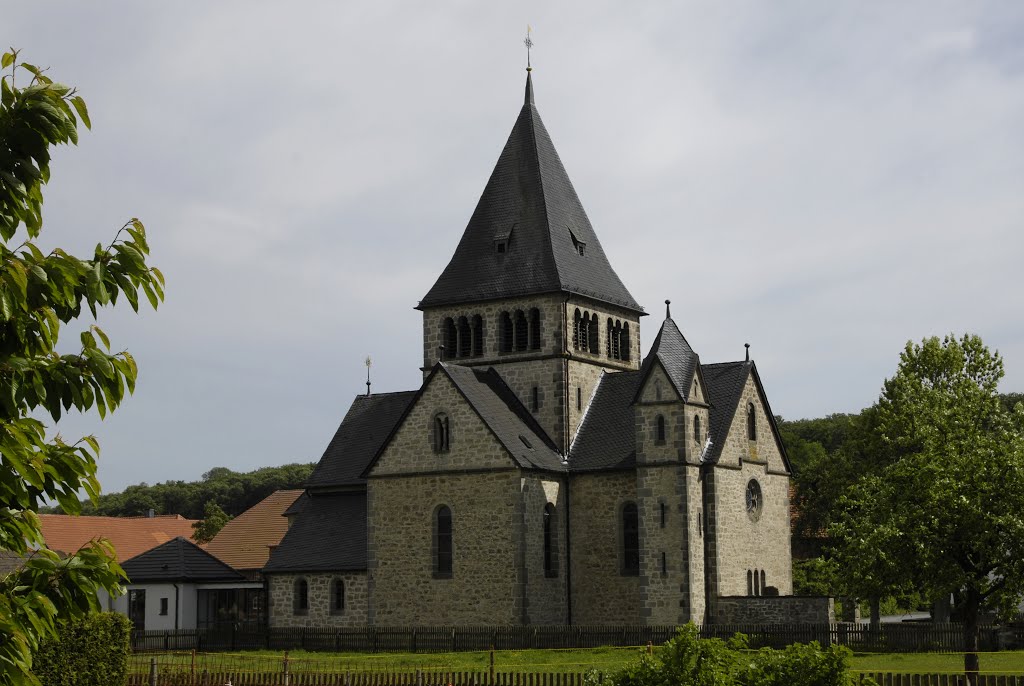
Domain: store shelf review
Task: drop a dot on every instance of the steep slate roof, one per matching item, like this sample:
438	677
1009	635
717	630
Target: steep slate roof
130	535
607	437
245	541
178	560
369	421
505	416
329	535
530	202
671	348
724	383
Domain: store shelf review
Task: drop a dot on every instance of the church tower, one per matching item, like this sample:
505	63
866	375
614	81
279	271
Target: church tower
529	290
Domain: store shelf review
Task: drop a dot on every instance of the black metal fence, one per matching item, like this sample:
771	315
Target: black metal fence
914	637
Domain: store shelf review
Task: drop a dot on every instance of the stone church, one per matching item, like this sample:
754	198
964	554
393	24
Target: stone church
542	473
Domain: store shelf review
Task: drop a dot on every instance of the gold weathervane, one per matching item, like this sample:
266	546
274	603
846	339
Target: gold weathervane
528	42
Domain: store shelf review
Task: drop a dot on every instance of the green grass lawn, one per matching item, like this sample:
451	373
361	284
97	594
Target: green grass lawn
603	659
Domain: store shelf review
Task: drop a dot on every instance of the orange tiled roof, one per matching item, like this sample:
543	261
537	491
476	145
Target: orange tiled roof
245	541
131	536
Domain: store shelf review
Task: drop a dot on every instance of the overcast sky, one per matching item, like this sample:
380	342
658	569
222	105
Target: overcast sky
823	180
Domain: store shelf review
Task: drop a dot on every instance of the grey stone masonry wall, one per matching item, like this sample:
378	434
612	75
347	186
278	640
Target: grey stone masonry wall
281	606
604	312
758	543
544	591
486	583
601	594
770	610
547	377
668	594
550	307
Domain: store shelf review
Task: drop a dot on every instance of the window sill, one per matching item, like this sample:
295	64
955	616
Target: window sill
443	575
300	613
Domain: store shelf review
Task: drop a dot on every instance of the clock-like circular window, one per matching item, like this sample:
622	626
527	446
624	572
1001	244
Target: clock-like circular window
755	500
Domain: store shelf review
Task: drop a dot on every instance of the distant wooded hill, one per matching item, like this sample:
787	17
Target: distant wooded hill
234	492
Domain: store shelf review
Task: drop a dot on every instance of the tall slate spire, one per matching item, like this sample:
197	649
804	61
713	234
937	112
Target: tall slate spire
529	233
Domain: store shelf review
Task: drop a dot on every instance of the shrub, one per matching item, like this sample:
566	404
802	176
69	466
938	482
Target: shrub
688	660
92	651
800	664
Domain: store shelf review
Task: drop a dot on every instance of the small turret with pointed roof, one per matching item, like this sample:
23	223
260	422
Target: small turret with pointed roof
675	354
547	244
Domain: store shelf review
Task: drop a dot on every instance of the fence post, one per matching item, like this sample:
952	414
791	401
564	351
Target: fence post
286	672
491	682
152	671
193	670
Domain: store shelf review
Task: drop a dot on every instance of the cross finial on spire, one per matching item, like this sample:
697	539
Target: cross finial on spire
369	363
747	346
528	42
668	312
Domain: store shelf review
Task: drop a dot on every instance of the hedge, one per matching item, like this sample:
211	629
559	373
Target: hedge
92	651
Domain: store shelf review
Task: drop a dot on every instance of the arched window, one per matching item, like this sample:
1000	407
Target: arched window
465	342
505	332
630	540
337	596
534	329
751	422
757	583
522	334
443	549
451	337
608	339
763	584
696	428
657	389
442	433
593	339
478	335
659	430
576	329
615	335
624	345
300	598
550	541
750	582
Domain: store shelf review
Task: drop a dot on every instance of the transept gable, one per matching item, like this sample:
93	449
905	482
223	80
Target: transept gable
464	419
733	388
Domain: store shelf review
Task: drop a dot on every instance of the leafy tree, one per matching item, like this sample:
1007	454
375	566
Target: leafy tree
212	522
40	292
946	515
235	492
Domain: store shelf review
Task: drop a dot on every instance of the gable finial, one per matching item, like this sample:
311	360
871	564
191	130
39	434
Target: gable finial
668	312
440	353
747	346
369	363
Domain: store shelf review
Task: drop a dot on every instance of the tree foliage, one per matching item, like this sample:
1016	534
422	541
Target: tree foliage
212	522
946	514
234	492
39	293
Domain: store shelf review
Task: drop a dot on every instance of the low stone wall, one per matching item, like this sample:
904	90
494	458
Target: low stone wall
774	610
